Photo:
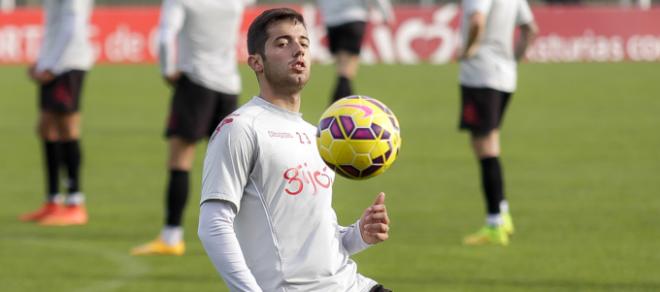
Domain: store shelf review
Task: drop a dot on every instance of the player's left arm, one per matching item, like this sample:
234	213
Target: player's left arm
386	10
528	29
476	29
172	15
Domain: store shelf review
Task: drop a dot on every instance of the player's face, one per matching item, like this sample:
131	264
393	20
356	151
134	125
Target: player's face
287	59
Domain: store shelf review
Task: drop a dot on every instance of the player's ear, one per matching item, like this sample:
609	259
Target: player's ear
256	63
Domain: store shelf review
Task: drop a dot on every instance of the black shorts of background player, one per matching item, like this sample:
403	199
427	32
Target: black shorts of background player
196	110
482	109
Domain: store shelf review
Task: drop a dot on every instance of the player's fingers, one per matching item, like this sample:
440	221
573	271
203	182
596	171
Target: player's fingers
377	228
380	199
380	217
382	236
377	208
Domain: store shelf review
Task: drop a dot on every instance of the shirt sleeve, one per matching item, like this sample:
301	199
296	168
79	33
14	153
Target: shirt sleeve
472	6
229	160
172	15
385	9
216	231
351	238
71	18
524	15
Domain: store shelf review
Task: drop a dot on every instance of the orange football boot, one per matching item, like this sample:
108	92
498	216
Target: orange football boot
65	216
45	210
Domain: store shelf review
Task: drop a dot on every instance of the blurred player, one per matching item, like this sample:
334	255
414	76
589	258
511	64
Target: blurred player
488	78
197	49
266	218
64	57
346	21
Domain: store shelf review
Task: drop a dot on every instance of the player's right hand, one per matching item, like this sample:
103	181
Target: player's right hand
374	224
40	77
172	79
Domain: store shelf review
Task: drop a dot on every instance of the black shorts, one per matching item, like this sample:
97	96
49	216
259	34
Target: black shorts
379	288
346	37
62	94
482	109
197	110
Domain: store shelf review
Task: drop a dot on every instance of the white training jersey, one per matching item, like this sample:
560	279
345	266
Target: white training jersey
200	39
494	64
263	159
337	12
66	45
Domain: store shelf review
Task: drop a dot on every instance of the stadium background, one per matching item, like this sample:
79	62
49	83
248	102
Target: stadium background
580	149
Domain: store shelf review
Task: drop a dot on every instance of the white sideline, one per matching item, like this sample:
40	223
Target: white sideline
128	267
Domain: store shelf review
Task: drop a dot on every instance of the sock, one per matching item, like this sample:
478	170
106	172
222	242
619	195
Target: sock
75	199
177	196
342	89
52	153
494	220
172	235
504	206
72	160
492	184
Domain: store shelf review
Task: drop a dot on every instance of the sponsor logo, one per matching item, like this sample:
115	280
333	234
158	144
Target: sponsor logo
300	177
282	135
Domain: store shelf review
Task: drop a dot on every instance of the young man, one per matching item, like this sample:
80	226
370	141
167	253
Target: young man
64	57
204	74
266	218
488	78
346	21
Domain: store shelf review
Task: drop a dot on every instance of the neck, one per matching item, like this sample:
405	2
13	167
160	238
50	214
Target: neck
287	100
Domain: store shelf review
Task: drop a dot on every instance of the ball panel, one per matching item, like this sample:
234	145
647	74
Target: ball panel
349	170
371	170
362	161
335	130
363	134
342	152
348	125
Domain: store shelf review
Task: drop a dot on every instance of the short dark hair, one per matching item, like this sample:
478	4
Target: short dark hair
258	31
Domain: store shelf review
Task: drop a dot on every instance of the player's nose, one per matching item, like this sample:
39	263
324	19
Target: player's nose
298	50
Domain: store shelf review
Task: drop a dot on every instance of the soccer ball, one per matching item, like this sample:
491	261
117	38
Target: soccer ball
358	137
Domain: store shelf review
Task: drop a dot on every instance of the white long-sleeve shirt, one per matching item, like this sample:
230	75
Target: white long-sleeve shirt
66	45
494	65
337	12
200	38
266	217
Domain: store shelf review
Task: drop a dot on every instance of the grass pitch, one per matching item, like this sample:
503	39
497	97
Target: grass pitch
581	154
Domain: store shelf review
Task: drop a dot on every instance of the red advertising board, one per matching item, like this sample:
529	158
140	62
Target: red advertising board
419	34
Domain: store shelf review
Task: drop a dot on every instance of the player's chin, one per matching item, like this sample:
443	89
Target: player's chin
301	79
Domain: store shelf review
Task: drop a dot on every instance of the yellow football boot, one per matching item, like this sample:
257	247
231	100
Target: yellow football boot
159	247
507	223
494	235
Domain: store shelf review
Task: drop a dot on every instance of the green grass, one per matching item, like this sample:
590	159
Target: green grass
581	152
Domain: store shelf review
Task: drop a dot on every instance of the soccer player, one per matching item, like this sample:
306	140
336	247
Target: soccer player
346	21
266	219
64	57
197	49
488	78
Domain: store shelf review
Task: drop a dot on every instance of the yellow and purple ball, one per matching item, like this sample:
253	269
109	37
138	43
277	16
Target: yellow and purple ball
358	137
